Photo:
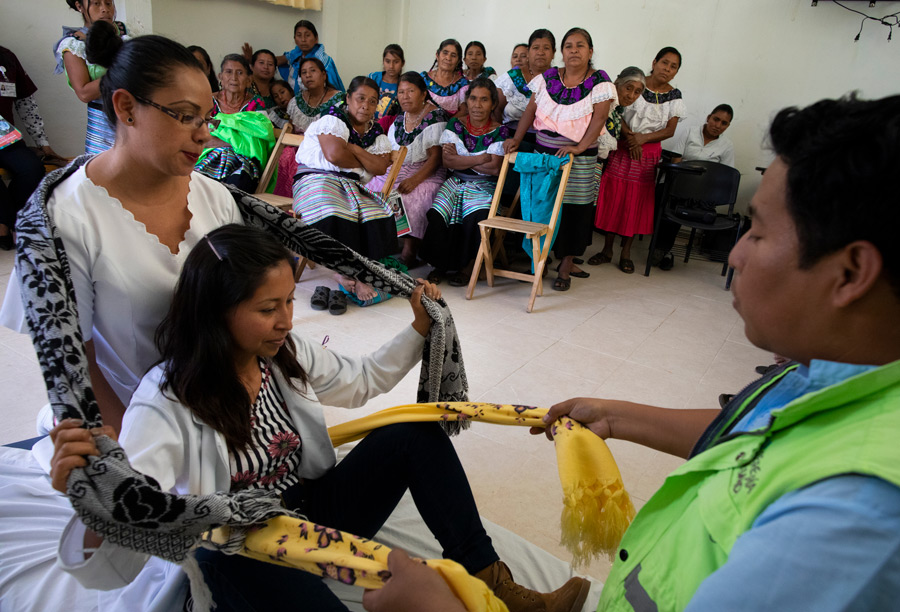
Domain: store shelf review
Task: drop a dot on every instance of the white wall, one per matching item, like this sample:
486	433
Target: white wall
757	55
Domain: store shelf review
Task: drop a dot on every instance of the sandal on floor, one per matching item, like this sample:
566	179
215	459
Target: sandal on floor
626	266
599	258
337	303
459	279
562	284
577	261
434	277
576	274
319	299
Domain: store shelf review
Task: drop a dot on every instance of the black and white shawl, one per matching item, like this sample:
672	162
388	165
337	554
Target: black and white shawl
127	507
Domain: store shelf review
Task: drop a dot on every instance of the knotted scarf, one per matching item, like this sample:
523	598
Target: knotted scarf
127	507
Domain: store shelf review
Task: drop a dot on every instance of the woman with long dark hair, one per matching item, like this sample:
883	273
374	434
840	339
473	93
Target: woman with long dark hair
445	81
235	404
262	73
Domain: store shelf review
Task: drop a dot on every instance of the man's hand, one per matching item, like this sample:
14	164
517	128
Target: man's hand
412	587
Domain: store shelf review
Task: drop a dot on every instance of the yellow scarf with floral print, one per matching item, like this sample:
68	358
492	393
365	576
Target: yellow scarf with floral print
596	508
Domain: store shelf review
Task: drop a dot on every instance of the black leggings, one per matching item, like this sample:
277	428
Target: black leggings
27	172
358	496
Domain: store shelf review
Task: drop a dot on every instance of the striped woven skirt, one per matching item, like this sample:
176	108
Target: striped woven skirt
419	200
575	232
452	238
100	134
627	192
347	211
226	166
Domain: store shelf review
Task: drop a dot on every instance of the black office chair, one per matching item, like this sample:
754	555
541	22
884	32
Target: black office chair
691	193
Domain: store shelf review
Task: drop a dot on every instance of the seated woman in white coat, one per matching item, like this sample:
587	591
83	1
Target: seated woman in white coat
235	404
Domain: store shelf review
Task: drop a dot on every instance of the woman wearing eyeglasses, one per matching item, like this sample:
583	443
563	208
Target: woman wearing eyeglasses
129	216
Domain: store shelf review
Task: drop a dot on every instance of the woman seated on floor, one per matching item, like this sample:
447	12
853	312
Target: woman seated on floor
445	81
419	129
317	96
342	151
240	144
472	149
258	399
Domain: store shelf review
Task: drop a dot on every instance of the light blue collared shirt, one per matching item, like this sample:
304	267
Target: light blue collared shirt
834	545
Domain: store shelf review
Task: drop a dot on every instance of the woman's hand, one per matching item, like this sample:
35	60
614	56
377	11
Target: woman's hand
573	149
448	151
422	322
409	184
247	51
510	145
72	444
591	412
412	587
636	152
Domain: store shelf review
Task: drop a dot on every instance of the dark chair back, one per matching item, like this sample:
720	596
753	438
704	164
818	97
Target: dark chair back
716	186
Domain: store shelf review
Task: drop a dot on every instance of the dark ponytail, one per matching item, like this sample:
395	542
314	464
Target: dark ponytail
140	66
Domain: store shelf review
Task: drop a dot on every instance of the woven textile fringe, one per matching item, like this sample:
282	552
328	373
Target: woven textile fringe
596	507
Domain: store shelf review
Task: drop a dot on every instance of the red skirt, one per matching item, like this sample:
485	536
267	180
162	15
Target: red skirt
627	191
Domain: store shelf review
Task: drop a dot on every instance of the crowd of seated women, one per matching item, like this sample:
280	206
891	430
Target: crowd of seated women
456	119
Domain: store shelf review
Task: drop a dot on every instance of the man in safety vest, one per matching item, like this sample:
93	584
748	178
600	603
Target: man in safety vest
790	498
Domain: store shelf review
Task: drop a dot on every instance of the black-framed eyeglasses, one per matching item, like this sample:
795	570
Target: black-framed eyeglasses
195	121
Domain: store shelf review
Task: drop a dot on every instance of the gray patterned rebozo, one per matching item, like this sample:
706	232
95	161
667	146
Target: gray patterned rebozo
122	505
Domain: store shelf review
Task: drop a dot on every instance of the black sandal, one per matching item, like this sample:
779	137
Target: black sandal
599	258
626	265
434	277
459	279
337	303
562	284
319	299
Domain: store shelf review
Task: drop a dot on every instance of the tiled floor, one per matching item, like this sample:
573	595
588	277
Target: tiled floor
672	340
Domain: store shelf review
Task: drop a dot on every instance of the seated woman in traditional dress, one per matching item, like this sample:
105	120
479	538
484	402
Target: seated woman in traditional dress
519	56
342	151
475	57
472	149
419	129
445	81
306	37
234	377
317	96
262	74
239	147
568	108
83	74
392	62
626	200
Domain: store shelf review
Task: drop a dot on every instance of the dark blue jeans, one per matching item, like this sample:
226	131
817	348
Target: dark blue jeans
358	496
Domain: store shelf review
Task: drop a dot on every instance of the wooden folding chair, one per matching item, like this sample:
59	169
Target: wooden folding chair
285	139
397	158
532	230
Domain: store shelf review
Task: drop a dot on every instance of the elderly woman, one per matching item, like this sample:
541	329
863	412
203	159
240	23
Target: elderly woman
445	81
342	151
240	145
472	149
627	190
419	129
568	109
84	75
313	101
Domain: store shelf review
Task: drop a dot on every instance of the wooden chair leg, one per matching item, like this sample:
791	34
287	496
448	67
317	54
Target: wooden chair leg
488	256
302	262
476	269
539	262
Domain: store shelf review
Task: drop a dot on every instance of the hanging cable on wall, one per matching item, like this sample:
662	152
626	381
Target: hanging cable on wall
890	20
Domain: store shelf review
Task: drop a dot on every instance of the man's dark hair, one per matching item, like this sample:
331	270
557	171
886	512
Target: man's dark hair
843	160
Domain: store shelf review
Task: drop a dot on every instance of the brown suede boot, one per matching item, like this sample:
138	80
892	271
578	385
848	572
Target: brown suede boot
567	598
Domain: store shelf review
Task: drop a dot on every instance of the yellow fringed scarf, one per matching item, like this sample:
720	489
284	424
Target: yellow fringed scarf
597	509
